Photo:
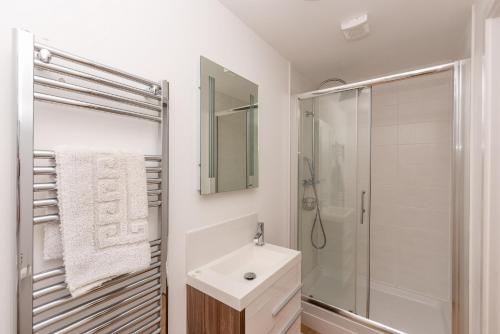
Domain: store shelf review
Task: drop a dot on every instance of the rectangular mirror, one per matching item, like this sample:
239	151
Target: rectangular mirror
229	130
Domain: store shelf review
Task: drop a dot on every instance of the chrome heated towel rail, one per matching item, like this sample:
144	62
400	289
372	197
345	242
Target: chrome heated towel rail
130	303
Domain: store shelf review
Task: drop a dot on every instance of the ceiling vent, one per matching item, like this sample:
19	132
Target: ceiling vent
356	28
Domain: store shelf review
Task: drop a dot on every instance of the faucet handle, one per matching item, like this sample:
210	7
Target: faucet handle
259	235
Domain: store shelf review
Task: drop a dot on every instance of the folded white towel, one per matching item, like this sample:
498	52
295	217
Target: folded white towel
52	243
103	207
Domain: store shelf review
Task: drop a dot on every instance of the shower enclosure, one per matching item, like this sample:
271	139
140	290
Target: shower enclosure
378	216
334	197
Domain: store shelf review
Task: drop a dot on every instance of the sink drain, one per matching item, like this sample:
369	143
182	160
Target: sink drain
249	276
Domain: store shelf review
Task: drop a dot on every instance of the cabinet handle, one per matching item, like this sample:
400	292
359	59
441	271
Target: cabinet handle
292	321
363	193
285	301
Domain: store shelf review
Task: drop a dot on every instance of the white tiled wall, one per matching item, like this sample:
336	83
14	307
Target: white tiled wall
336	172
411	177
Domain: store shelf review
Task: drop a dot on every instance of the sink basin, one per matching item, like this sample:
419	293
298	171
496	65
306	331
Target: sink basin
259	260
223	278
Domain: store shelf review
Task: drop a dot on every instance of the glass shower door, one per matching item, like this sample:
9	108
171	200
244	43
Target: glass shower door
334	179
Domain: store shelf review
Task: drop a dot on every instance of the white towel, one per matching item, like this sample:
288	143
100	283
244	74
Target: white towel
103	207
52	243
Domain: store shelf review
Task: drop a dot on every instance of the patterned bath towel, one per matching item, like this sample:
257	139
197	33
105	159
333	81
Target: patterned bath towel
103	208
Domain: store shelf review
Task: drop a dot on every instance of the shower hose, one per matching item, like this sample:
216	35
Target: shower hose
317	216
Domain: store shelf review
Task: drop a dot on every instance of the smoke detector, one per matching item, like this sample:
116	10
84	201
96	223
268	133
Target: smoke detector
355	28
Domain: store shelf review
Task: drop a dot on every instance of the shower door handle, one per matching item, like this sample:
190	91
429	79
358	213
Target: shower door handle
363	210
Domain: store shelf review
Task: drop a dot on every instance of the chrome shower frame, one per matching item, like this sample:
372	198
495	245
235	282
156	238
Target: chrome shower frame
460	193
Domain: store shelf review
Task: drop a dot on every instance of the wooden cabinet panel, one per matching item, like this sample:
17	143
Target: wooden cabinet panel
231	321
207	315
195	311
212	316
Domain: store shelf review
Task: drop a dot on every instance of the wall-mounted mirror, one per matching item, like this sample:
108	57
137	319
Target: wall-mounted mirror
229	130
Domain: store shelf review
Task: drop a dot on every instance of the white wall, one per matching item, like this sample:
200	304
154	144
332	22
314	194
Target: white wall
299	83
478	311
491	292
491	231
159	40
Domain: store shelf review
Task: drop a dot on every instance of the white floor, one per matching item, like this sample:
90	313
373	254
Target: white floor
402	310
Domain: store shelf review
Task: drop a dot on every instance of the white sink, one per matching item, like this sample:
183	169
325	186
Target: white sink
223	278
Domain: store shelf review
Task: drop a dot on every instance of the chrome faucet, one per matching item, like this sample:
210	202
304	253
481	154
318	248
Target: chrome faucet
258	239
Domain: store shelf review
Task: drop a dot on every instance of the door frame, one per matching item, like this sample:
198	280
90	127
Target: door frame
490	297
480	167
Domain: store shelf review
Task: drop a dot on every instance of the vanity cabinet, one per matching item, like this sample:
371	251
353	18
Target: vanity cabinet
276	310
207	315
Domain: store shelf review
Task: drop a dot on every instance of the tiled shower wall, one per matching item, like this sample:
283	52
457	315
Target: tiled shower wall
411	184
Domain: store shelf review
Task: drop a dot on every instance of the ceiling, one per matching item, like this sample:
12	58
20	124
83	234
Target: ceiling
405	34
